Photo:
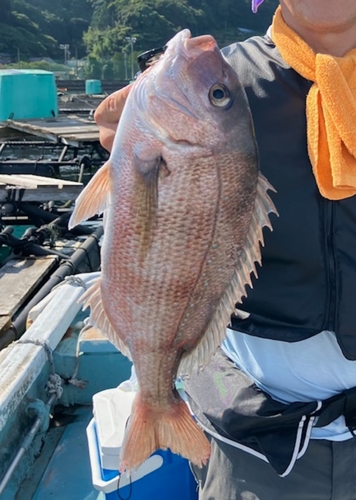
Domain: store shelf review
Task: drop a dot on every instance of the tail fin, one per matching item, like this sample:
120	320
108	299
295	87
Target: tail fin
150	429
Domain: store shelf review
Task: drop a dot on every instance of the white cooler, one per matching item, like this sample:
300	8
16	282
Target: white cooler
162	476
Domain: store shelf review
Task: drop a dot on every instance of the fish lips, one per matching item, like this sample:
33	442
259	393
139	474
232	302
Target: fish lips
182	44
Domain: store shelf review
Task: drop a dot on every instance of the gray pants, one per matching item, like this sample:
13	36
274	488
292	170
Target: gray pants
327	471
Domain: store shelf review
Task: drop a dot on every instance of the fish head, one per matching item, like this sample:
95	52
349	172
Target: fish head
192	96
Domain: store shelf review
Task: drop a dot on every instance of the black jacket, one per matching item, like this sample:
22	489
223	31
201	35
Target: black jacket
307	282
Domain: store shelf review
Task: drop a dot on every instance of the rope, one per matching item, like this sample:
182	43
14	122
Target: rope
71	280
55	385
55	382
43	344
73	380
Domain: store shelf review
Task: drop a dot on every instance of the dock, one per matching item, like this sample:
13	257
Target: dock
69	130
27	187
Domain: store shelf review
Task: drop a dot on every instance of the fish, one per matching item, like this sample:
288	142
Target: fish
184	205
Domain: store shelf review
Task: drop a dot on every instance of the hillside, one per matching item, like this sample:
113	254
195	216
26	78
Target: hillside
103	29
35	28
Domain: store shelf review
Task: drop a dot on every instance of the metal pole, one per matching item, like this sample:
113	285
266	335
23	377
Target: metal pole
132	40
132	61
125	63
65	48
25	446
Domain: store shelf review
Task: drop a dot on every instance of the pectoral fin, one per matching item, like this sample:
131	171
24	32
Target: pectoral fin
146	196
94	198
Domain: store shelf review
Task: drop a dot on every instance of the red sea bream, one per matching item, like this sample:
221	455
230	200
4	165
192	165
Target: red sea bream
184	205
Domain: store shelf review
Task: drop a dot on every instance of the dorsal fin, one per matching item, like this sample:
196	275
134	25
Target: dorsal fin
251	253
94	198
92	299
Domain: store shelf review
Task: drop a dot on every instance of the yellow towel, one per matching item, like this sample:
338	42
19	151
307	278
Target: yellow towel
330	110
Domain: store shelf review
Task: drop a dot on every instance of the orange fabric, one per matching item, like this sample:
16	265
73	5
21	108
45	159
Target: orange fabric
330	110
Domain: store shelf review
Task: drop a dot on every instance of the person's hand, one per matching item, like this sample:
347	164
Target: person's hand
107	116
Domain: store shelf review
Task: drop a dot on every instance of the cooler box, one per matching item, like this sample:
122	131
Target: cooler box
163	476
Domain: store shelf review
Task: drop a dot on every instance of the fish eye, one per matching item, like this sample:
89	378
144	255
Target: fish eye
219	95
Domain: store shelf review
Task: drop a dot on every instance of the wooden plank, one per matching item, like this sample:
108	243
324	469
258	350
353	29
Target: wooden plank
36	131
5	322
54	129
18	278
27	187
47	123
18	180
42	194
80	127
55	124
80	137
38	179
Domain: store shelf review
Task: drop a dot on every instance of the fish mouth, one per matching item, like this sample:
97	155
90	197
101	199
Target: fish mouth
197	45
191	46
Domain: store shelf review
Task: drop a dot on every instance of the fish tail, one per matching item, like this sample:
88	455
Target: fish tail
151	428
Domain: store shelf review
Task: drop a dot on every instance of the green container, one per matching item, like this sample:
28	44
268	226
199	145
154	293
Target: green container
27	94
93	87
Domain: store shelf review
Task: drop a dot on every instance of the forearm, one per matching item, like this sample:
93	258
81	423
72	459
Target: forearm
107	116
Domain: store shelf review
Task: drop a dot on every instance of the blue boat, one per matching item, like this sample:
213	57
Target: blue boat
65	391
65	397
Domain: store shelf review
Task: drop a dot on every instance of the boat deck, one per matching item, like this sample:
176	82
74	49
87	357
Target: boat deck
44	451
53	462
62	471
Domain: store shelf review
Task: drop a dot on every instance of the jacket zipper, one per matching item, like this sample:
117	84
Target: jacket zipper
330	248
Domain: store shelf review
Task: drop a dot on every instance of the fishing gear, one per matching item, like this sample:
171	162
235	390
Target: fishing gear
150	56
30	242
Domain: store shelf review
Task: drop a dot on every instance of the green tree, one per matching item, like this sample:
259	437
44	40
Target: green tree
99	28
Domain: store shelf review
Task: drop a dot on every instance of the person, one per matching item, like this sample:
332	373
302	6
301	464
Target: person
278	400
107	115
